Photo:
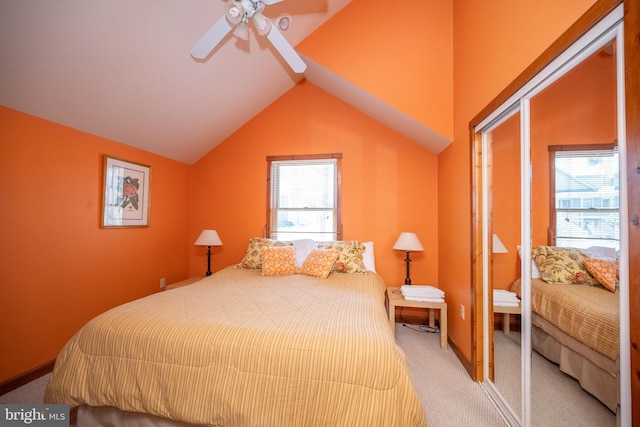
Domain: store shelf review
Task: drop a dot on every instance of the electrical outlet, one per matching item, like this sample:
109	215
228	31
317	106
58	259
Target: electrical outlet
163	282
462	311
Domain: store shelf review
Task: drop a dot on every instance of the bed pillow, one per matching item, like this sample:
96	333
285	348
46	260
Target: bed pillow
278	260
604	271
319	263
535	272
350	258
562	265
252	258
368	258
303	249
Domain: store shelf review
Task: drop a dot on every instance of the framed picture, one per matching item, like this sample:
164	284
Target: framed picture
126	194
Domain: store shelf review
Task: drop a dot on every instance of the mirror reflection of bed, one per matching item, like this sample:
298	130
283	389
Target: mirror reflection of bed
573	115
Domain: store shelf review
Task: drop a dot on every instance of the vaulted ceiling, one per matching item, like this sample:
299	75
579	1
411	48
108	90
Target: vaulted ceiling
121	69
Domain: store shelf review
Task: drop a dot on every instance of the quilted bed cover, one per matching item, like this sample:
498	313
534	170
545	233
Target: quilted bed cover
590	314
241	349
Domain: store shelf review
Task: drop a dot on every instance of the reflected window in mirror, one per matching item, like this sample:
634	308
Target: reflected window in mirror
585	200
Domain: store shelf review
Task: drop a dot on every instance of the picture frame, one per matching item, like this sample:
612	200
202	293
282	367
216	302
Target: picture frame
126	194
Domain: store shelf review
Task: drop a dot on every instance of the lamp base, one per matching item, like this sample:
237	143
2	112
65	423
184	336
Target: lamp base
208	273
407	281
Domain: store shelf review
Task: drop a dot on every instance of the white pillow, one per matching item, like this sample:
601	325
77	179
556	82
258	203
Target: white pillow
303	249
601	252
535	272
368	257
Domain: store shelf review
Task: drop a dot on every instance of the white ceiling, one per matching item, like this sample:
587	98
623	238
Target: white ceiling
121	69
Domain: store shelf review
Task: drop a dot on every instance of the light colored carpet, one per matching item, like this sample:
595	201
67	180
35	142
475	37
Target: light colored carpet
448	395
558	399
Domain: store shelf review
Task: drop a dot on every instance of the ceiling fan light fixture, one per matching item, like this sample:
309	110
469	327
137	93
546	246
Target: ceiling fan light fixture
263	25
283	21
234	12
242	31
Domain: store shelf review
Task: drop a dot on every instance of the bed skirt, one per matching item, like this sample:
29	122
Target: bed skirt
89	416
601	382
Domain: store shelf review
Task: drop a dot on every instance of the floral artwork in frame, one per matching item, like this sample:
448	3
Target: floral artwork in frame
126	194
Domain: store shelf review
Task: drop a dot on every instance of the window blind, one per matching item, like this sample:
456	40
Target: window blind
304	199
587	198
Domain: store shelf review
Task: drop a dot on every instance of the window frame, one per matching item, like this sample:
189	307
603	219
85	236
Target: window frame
553	149
301	158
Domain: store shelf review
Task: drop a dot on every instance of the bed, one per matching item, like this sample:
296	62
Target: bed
239	348
576	325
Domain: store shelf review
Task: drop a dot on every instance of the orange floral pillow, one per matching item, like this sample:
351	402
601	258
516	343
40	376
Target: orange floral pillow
604	271
562	265
319	262
350	255
252	258
278	260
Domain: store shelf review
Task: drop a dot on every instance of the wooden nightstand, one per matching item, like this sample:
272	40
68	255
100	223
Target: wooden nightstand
395	299
185	282
506	311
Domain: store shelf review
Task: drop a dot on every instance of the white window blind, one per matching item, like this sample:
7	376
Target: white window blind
304	199
587	198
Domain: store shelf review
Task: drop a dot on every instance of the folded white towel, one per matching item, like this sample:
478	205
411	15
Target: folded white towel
422	290
503	292
506	304
505	298
423	299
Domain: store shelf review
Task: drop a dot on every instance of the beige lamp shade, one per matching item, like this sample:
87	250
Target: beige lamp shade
408	242
208	238
498	246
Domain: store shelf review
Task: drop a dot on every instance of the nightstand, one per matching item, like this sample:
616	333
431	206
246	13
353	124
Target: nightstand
395	299
185	282
506	311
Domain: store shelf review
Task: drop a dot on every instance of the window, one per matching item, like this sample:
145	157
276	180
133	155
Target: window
585	190
303	200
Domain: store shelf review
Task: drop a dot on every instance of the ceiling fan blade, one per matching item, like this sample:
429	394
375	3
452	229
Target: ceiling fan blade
211	38
286	50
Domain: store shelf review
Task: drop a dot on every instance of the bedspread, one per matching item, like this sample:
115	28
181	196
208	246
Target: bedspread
590	314
241	349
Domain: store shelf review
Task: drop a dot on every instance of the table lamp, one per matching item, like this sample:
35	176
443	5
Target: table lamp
408	242
208	238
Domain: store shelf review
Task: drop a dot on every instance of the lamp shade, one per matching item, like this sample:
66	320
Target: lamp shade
208	238
408	242
498	246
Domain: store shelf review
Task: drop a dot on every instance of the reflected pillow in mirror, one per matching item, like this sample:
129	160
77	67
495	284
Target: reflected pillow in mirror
604	271
562	265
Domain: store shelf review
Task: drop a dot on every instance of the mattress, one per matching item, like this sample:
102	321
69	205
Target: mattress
589	314
242	349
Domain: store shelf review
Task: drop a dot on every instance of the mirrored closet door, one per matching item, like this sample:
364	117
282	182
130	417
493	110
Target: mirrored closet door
548	167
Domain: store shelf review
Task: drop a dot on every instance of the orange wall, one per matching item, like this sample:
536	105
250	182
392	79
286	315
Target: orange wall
493	42
505	200
58	268
402	54
578	109
388	182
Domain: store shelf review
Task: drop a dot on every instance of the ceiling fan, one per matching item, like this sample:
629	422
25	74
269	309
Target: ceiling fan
238	13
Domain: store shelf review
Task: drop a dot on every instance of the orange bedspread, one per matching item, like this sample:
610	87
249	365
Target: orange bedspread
241	349
590	314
